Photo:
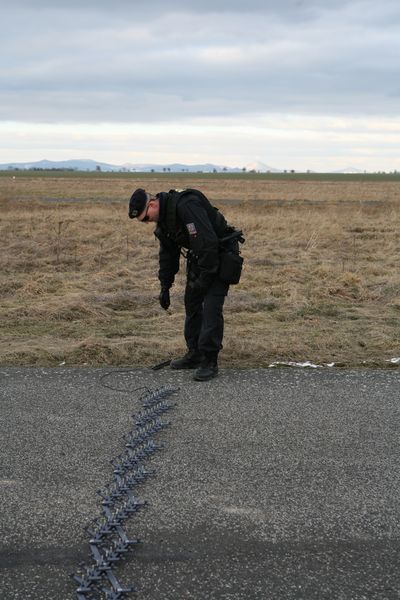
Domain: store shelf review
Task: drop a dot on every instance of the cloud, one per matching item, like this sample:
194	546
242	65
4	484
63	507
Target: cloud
293	83
94	61
287	142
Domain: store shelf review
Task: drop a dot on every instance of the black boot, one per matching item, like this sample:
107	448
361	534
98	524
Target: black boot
208	368
191	360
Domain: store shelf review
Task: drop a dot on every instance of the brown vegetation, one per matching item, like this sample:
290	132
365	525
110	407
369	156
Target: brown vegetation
79	282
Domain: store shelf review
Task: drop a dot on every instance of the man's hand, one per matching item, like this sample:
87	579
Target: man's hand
164	298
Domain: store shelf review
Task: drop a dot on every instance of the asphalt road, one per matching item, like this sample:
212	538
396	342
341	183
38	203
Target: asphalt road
273	484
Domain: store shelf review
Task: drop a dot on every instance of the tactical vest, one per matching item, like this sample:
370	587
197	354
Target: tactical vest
217	220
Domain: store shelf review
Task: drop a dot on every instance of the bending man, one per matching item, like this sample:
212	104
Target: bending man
187	220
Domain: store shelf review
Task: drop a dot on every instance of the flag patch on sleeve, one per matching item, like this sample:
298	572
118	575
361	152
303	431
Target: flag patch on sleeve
191	228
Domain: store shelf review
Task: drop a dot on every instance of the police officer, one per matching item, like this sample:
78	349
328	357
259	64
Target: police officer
186	219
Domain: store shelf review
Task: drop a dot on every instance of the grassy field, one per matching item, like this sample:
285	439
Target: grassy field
321	282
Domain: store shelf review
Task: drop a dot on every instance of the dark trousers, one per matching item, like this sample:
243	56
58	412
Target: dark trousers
204	322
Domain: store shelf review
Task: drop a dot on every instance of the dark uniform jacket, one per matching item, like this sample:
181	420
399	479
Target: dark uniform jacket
188	220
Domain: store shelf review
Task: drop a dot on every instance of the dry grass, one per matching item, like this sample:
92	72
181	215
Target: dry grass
79	279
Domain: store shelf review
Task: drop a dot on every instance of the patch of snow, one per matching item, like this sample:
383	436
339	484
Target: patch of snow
307	363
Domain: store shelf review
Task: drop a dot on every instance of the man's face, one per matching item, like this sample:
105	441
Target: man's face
151	212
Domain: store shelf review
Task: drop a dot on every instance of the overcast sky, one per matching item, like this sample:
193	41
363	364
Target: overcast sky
302	84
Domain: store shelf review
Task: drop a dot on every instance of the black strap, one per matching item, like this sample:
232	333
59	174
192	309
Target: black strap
237	234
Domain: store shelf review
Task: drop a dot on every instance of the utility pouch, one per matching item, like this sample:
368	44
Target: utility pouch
230	267
230	261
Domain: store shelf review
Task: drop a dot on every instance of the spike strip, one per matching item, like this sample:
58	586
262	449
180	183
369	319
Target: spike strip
109	543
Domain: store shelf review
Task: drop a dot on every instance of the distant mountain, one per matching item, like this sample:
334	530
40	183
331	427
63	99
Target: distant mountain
87	164
260	167
179	168
84	164
92	165
349	170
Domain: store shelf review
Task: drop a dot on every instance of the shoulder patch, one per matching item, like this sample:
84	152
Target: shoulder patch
191	228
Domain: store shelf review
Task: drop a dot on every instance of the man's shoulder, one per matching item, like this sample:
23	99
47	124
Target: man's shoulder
190	197
186	192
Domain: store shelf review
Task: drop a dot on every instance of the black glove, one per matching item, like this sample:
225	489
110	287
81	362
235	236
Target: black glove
164	298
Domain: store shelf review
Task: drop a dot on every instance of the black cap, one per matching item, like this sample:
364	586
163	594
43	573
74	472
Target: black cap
137	203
